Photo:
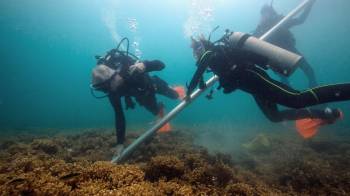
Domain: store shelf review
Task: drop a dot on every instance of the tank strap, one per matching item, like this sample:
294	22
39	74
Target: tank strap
242	40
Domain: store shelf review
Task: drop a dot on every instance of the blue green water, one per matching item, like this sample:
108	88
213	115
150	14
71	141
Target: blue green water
48	47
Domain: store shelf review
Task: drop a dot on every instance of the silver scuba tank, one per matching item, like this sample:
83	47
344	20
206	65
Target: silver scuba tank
280	60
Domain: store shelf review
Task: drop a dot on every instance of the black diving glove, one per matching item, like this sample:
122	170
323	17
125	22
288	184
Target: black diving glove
188	92
202	84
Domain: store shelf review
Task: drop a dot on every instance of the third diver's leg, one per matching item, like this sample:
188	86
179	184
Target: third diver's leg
309	72
306	68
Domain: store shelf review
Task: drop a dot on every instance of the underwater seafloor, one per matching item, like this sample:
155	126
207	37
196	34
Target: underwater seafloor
172	164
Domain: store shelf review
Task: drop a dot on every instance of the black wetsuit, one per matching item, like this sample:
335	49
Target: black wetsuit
239	69
143	88
285	39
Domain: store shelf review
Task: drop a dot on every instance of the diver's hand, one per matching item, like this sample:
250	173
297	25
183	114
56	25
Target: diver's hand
137	68
188	95
187	98
202	85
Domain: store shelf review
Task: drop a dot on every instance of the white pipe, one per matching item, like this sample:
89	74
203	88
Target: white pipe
148	134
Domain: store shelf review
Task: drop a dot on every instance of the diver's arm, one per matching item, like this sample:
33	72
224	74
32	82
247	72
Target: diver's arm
198	75
155	65
119	118
146	66
301	19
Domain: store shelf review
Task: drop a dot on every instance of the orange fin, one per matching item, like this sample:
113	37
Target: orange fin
308	127
180	91
165	129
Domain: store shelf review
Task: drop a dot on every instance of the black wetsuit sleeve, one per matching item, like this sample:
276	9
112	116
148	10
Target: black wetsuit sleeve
197	78
301	19
155	65
119	118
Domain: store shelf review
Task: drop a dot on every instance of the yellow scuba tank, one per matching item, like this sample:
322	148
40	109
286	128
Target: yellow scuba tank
280	60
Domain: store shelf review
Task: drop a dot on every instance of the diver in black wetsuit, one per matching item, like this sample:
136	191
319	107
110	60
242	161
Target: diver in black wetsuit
119	75
241	69
284	37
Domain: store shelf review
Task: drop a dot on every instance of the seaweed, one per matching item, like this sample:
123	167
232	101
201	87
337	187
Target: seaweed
172	165
167	167
46	145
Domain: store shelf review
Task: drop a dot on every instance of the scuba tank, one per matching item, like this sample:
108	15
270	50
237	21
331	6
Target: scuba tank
280	60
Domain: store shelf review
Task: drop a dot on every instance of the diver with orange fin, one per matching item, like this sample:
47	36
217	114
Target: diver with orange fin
120	74
240	61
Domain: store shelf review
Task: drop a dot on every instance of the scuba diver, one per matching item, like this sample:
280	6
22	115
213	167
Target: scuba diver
284	38
240	61
120	74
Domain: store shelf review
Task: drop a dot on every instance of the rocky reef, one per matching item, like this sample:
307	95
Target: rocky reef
172	165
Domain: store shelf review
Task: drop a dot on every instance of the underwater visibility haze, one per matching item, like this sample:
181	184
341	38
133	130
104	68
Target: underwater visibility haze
50	47
48	51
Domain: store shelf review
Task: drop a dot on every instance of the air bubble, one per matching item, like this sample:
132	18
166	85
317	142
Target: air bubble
133	24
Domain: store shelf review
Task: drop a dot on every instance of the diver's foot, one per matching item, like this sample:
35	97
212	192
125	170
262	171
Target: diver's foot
309	127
